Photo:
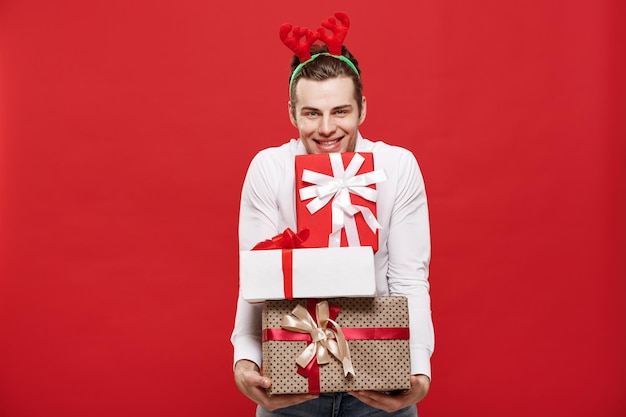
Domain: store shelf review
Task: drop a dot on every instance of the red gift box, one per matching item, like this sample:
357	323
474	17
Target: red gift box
336	199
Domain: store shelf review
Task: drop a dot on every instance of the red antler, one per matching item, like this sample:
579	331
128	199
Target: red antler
339	28
302	49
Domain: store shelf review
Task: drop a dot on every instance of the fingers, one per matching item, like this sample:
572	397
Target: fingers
253	385
420	385
385	402
257	380
275	402
259	383
373	399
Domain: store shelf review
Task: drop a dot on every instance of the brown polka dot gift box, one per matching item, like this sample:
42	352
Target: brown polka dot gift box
336	345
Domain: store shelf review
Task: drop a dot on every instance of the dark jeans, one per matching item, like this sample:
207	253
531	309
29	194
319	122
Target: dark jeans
337	404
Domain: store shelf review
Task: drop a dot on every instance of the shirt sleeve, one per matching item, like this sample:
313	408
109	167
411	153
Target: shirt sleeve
258	221
409	258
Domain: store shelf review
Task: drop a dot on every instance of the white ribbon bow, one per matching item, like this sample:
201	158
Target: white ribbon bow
338	188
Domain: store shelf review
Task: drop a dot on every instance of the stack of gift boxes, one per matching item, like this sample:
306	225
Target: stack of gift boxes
324	330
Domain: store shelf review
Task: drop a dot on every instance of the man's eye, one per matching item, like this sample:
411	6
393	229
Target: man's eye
311	114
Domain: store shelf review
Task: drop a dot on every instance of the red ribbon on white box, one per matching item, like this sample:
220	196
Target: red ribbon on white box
338	188
286	241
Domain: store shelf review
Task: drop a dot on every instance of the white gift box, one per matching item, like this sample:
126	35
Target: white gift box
316	273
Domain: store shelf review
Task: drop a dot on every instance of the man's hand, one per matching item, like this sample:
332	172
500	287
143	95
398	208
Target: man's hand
420	384
252	384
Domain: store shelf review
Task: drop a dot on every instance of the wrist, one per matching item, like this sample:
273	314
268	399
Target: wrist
246	365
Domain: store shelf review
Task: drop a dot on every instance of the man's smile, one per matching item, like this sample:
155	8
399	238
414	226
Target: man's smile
328	142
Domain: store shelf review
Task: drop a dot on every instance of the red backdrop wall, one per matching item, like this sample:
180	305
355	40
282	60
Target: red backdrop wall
126	129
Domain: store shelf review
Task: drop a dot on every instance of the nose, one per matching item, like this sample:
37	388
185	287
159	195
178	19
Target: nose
327	126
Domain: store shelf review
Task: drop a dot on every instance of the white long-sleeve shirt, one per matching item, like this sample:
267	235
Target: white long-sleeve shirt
268	207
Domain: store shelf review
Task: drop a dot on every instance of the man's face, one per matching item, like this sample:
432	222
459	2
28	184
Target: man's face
326	115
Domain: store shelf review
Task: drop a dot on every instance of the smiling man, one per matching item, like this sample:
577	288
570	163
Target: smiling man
327	108
327	114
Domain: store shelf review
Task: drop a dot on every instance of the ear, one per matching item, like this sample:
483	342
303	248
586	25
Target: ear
363	110
292	118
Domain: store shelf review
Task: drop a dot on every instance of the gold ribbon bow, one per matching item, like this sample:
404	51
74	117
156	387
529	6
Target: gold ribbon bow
325	341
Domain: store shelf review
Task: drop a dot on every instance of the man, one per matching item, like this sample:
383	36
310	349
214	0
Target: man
327	107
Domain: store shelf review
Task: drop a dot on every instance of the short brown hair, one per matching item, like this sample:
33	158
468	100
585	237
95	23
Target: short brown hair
325	67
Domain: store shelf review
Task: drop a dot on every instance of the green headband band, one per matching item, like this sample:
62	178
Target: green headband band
298	69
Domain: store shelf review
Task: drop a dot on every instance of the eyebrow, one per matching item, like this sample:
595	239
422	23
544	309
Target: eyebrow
342	107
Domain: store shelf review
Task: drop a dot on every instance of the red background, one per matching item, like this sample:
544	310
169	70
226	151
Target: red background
126	130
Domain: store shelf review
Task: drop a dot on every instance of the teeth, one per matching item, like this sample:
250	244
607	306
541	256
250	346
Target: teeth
329	142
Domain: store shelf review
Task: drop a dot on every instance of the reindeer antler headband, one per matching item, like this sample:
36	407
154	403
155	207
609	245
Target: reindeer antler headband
292	36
